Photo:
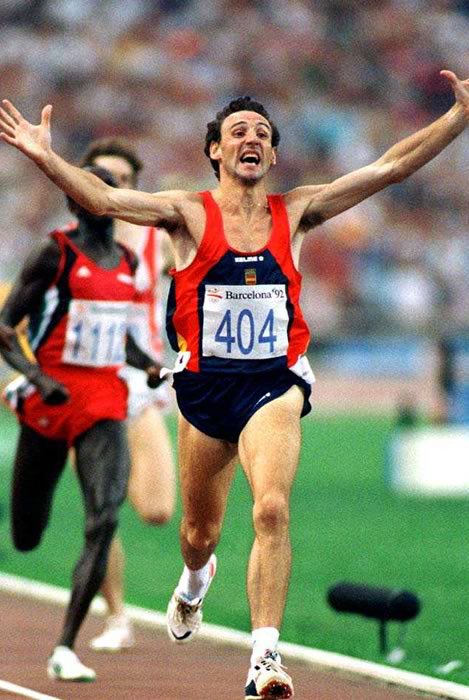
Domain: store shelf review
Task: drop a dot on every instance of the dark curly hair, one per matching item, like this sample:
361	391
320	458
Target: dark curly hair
112	147
240	104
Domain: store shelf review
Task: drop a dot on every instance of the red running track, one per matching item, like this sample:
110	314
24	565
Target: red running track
155	669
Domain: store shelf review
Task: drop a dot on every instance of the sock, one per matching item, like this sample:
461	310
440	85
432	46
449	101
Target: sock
263	639
118	620
193	584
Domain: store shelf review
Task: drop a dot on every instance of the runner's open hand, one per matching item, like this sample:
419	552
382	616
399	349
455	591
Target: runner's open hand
33	141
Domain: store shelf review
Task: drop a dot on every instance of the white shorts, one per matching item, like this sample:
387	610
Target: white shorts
140	394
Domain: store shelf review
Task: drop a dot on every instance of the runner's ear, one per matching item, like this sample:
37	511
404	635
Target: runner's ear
214	150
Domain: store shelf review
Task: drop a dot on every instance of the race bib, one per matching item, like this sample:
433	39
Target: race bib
96	333
243	322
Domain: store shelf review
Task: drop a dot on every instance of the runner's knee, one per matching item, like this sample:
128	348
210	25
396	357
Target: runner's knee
201	536
155	515
27	533
154	511
101	525
271	514
25	541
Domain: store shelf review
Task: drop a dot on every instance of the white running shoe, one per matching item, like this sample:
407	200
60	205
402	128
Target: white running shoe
267	679
184	616
117	635
64	665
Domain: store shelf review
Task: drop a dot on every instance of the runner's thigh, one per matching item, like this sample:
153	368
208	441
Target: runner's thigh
102	462
39	462
207	467
269	445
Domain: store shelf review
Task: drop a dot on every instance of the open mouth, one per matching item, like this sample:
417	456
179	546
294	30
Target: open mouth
252	158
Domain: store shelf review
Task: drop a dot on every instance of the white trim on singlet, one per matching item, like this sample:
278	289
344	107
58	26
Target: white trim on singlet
51	301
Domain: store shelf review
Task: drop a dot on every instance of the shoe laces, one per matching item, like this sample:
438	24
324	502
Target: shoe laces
185	612
270	661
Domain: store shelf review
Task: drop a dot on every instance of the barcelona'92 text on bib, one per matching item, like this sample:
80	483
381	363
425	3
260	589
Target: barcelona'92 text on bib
96	333
245	322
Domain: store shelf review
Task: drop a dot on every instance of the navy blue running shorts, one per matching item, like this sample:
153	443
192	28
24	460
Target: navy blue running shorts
220	405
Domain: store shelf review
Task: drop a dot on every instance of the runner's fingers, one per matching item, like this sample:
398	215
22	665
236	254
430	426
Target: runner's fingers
7	139
12	111
7	129
46	116
452	77
10	130
6	119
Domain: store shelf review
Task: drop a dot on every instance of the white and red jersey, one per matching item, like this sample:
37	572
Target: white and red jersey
146	315
78	334
82	319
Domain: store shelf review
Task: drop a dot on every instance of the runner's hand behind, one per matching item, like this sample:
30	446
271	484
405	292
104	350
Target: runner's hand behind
52	392
153	378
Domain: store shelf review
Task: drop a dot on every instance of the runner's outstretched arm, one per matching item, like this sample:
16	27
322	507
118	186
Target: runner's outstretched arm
83	187
397	164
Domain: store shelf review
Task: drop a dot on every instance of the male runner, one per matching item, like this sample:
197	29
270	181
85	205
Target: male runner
242	381
76	291
152	478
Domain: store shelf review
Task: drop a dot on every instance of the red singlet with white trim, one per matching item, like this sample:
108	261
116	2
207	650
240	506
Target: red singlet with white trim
78	335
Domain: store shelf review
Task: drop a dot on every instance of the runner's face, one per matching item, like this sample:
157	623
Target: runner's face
245	150
119	168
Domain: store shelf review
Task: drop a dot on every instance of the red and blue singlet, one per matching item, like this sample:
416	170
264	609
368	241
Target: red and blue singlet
238	312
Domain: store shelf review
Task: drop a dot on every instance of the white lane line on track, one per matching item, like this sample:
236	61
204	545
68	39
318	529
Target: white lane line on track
223	635
25	692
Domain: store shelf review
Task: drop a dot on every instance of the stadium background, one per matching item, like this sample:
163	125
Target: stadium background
382	283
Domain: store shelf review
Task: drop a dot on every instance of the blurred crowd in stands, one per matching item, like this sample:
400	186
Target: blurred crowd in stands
343	79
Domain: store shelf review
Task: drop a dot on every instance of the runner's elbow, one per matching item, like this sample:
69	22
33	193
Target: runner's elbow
102	206
394	171
400	173
103	202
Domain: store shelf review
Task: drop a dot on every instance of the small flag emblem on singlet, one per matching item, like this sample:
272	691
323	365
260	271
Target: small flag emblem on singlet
250	276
